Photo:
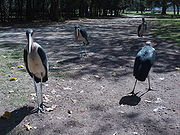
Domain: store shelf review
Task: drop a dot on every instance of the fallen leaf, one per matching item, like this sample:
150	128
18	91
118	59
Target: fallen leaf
114	74
135	133
13	79
122	112
73	100
6	115
97	76
28	127
35	127
159	100
148	101
49	109
162	78
159	108
20	66
69	111
67	88
46	98
82	111
11	91
81	91
115	133
12	67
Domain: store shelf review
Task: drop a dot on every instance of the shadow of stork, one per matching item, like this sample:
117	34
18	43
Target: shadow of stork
131	100
7	125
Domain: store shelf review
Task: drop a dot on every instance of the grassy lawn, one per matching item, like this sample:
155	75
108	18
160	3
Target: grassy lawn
147	13
15	93
167	29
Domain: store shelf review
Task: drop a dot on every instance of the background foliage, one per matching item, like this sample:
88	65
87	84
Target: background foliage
57	10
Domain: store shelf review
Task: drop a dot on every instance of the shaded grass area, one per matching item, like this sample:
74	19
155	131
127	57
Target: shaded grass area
148	13
167	29
14	92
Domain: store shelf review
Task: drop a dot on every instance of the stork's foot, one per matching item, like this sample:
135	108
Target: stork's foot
133	94
42	105
40	110
83	54
150	89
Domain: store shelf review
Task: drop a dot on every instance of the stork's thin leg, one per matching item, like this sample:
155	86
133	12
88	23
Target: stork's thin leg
81	50
85	51
149	84
41	105
35	86
134	89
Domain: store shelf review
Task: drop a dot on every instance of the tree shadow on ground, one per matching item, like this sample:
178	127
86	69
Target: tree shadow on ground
113	47
7	125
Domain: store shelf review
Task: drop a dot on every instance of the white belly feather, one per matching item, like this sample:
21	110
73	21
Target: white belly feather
35	64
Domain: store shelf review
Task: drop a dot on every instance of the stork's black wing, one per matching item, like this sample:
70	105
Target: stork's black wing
83	33
26	62
43	57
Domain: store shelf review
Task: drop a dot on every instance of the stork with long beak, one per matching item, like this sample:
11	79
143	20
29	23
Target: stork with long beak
81	35
36	63
142	28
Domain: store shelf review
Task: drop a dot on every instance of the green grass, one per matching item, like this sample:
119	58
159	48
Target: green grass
10	57
147	13
7	57
167	29
11	45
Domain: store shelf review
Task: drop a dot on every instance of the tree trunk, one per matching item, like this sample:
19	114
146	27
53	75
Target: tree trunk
164	7
5	10
177	9
174	8
1	10
29	16
54	10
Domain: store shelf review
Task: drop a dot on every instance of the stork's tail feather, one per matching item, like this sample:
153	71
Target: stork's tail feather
37	80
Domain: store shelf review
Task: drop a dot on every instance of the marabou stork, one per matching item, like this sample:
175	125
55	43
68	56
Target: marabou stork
81	35
143	63
142	28
36	63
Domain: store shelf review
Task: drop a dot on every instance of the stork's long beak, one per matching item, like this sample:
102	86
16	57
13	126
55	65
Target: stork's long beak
77	32
30	41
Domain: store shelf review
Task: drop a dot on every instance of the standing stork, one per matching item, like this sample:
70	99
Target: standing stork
143	63
36	63
81	35
142	28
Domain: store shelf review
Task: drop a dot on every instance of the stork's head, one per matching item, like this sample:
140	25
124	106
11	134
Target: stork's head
29	34
77	29
153	44
148	43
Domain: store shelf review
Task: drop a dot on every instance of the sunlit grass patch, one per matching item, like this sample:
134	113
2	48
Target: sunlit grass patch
11	45
147	13
167	29
13	91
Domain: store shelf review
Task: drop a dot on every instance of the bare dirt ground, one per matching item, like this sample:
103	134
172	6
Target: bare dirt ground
87	91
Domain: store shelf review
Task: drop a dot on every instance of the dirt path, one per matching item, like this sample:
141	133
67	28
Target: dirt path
87	91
